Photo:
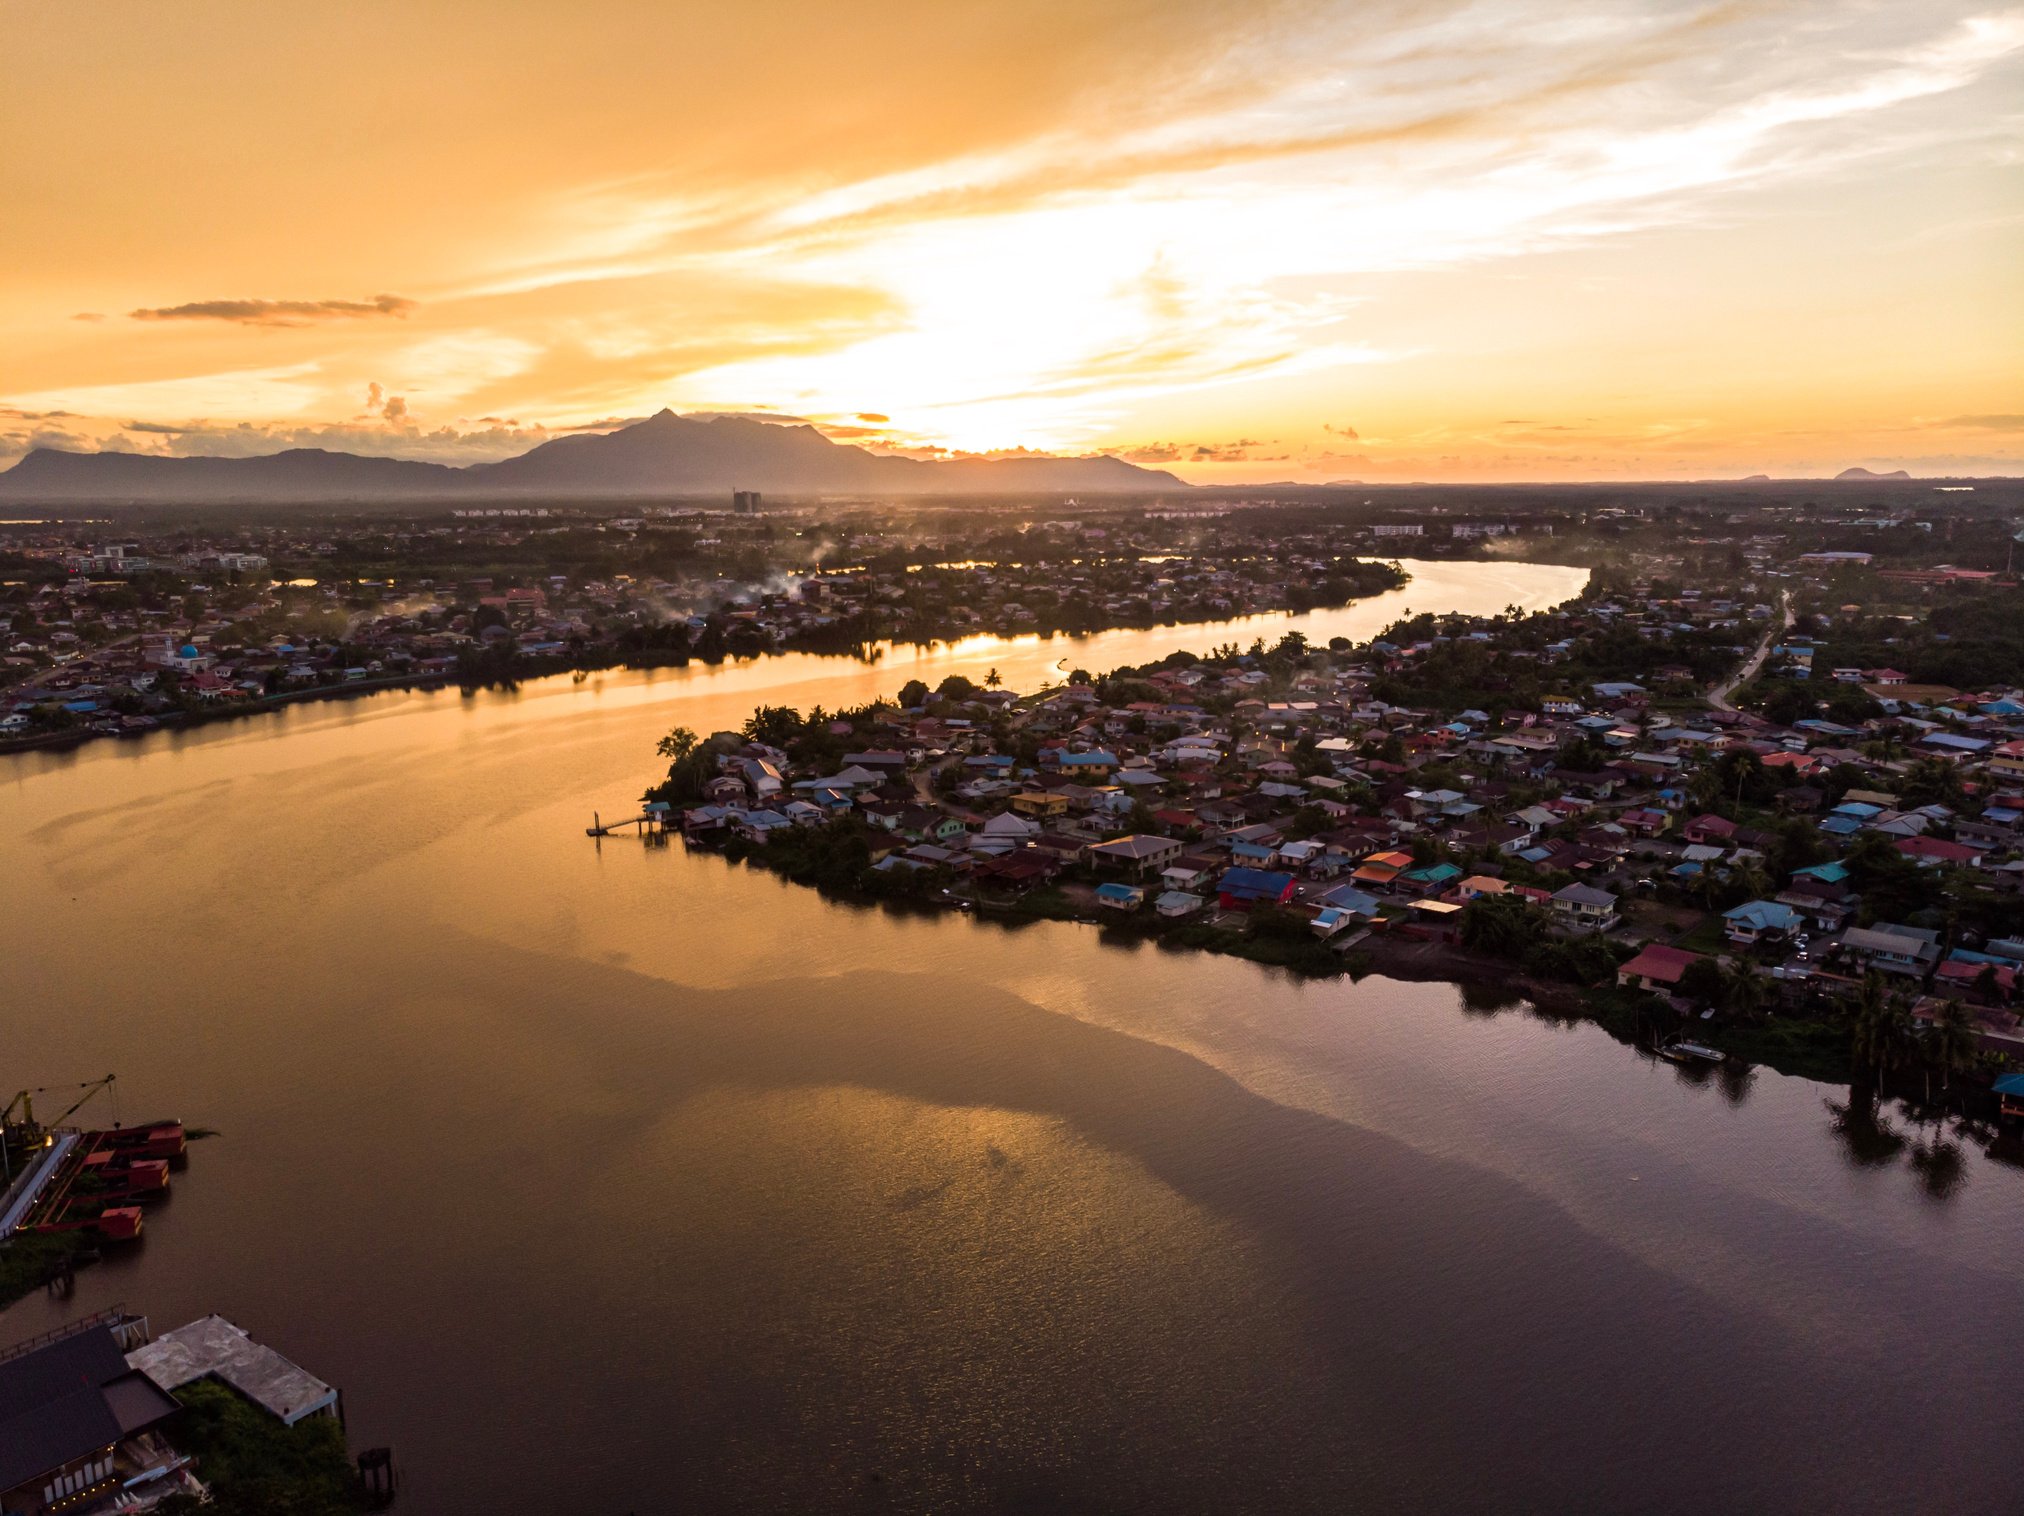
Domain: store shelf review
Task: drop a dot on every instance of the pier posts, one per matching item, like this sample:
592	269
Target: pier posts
376	1473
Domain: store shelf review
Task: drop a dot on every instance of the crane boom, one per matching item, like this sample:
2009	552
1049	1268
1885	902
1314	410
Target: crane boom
25	1100
90	1087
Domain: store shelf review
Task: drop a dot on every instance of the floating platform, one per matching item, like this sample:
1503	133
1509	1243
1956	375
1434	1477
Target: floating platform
96	1181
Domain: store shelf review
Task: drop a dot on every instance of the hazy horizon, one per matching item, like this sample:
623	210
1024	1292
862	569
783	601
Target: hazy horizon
677	490
1284	241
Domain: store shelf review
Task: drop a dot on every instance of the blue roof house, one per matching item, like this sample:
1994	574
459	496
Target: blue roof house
1754	919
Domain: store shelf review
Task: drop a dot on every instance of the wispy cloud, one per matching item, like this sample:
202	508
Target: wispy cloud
276	312
282	390
1174	222
2000	423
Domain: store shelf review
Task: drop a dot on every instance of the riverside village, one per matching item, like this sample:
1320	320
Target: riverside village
1779	820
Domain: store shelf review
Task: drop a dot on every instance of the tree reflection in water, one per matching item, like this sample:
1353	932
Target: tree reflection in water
1940	1164
1937	1153
1488	996
1867	1140
1737	1079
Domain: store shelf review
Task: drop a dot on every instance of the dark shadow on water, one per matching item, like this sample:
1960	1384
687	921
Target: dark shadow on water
1484	997
1867	1139
1941	1166
1736	1079
1466	1343
2007	1148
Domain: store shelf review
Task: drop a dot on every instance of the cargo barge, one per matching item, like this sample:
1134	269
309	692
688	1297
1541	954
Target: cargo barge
95	1181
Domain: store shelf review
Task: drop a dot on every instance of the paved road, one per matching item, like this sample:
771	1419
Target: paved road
1718	697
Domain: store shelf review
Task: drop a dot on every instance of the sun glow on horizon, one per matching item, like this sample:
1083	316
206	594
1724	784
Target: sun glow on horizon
1312	241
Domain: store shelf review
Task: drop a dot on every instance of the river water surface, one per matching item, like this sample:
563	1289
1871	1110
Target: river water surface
606	1178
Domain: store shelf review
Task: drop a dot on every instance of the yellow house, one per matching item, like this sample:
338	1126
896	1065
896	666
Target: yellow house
1040	803
2008	761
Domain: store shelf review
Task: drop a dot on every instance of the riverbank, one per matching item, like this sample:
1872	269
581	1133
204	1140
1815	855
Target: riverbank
504	666
1804	1047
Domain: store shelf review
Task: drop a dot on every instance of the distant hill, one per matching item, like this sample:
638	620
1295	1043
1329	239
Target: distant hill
1863	473
302	473
665	454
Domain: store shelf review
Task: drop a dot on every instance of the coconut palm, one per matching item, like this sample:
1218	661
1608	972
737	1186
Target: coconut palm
1882	1029
1751	879
1744	994
1951	1041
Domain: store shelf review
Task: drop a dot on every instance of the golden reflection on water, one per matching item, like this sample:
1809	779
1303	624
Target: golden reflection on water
802	1208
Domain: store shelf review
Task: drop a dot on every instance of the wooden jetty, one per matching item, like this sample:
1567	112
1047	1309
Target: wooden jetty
653	819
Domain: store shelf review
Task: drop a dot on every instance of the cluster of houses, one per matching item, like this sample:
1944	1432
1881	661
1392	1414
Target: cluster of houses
134	633
1099	587
1219	788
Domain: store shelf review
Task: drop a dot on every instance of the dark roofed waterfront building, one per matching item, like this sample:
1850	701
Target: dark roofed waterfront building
68	1407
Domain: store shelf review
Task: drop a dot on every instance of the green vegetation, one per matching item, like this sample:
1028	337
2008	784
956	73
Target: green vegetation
254	1465
931	603
27	1261
1790	1044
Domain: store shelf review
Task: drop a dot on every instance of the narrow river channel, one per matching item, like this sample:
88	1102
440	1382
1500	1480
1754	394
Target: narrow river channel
607	1178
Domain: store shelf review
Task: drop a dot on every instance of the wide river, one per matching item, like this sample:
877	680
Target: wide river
605	1178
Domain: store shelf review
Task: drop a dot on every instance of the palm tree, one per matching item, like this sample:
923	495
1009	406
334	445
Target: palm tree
1707	888
1752	879
1743	993
1951	1041
1705	788
1883	1028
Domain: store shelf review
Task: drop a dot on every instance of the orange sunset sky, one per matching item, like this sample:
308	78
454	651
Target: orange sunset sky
1501	239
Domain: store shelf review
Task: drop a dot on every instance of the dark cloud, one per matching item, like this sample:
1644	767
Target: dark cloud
392	409
1152	452
370	435
277	312
15	442
996	453
1224	452
1348	432
15	413
903	449
1987	423
89	316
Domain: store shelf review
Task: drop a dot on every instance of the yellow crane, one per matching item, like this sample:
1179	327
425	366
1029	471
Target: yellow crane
25	1101
26	1132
